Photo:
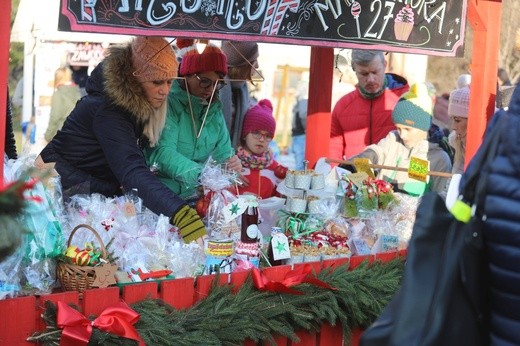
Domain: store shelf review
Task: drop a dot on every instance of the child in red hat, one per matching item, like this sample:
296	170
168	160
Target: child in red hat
260	169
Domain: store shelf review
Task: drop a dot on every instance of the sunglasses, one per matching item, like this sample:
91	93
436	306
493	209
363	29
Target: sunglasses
206	82
259	135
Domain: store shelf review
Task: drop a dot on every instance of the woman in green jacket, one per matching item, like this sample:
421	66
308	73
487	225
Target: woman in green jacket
195	127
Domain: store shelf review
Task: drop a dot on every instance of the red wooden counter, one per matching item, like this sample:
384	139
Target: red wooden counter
21	316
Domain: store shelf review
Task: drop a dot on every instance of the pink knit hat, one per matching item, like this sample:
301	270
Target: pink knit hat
459	103
153	59
259	118
211	59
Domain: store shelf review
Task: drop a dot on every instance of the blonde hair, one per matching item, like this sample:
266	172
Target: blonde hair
63	75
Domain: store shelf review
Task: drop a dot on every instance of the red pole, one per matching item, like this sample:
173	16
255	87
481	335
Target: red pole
484	17
5	33
318	112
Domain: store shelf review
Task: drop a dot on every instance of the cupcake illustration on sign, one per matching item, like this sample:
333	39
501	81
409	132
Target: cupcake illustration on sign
403	24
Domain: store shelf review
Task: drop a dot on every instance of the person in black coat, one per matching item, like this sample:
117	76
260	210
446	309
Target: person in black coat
502	227
100	146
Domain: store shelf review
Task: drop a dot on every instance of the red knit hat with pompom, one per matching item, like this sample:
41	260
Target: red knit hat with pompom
211	59
259	118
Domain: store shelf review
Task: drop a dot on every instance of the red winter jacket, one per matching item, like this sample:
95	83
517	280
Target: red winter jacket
263	182
358	122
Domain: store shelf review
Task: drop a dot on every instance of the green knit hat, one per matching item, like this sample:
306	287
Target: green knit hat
414	108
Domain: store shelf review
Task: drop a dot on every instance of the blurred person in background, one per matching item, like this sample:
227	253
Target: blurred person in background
458	109
299	125
242	62
66	94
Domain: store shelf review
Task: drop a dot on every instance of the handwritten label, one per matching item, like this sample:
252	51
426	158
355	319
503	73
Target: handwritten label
418	169
433	27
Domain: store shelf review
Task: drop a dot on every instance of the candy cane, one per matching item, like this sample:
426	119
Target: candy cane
277	10
269	13
285	5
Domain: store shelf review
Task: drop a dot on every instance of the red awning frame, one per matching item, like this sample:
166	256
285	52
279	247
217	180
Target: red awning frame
483	16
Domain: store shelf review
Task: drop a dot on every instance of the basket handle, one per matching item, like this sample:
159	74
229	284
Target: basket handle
103	250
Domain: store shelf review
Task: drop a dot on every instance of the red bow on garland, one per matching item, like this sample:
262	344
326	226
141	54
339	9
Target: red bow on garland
77	329
294	277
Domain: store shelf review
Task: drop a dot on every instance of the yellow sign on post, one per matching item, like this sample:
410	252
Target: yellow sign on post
419	169
363	165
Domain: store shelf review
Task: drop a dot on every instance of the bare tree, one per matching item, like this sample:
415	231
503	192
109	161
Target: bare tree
509	55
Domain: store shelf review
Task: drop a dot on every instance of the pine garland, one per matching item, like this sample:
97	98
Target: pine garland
227	318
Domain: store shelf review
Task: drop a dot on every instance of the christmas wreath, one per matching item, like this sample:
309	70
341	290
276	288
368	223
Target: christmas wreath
257	311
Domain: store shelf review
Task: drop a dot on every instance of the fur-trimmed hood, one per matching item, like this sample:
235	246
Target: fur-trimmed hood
125	91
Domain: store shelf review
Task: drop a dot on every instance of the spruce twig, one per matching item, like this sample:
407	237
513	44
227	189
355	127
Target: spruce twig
227	318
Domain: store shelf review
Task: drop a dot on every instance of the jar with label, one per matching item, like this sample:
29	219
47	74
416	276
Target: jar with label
249	232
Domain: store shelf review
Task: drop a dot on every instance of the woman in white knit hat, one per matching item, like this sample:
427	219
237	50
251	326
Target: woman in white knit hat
458	111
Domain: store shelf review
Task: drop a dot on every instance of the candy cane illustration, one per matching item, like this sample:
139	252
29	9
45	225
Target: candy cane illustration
269	14
356	11
274	15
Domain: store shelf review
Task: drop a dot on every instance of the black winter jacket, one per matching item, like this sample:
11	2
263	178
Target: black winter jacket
502	228
99	148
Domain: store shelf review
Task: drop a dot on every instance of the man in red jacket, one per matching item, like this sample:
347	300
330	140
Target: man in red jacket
364	116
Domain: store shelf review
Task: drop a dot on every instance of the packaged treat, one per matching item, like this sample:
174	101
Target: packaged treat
302	180
317	181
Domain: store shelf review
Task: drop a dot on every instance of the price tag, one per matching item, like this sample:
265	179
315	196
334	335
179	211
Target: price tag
363	165
234	209
129	208
280	246
418	169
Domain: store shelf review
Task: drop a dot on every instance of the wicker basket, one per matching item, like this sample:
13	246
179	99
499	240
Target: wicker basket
78	278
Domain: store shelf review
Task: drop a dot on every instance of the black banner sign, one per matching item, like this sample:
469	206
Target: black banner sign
432	27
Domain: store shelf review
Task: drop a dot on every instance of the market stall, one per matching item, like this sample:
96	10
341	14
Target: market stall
183	293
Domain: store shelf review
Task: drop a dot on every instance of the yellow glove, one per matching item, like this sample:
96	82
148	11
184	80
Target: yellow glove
189	223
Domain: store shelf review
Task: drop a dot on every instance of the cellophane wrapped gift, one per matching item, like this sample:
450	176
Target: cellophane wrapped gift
369	197
217	182
143	244
367	200
31	269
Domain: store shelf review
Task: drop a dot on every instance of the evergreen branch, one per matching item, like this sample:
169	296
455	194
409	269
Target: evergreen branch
227	318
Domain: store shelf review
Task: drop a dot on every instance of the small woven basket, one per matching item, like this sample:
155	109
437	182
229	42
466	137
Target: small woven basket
78	278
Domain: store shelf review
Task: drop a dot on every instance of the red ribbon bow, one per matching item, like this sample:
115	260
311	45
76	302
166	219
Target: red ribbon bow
77	329
294	277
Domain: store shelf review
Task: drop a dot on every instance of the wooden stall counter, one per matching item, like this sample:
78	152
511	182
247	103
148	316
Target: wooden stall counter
22	316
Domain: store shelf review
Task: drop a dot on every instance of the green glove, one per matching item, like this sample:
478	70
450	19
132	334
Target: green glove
189	223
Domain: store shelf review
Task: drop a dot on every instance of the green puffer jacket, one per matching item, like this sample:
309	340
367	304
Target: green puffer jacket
180	156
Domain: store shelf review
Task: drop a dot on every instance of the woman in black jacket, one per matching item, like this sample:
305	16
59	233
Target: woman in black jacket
99	148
